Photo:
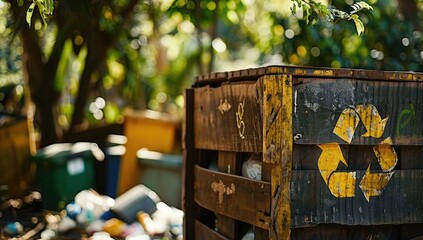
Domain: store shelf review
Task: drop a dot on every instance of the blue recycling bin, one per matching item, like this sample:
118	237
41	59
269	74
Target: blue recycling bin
113	159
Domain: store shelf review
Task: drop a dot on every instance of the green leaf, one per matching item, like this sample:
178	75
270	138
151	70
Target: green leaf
49	6
358	23
322	8
40	6
29	13
365	5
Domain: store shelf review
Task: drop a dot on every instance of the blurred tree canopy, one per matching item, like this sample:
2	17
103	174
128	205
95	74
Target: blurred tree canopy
97	57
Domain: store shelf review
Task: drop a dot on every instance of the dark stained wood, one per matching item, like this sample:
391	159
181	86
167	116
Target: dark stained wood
411	231
205	233
226	226
411	157
227	163
189	153
233	196
261	234
255	73
336	231
228	118
358	157
400	202
319	102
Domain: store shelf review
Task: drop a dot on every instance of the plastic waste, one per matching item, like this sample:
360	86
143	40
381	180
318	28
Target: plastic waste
252	168
91	201
138	236
101	236
66	224
249	235
134	229
13	229
73	210
136	199
48	234
95	226
114	227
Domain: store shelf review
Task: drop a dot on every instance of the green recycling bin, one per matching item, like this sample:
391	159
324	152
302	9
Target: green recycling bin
63	170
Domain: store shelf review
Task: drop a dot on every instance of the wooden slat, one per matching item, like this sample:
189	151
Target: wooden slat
225	225
320	102
254	73
306	157
277	149
411	157
227	162
228	118
233	196
286	160
335	231
202	232
189	153
400	202
261	234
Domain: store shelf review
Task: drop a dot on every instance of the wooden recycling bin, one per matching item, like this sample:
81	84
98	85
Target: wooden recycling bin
341	154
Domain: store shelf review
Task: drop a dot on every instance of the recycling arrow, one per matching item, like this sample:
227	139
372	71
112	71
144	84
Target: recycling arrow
342	184
372	184
386	155
372	120
347	124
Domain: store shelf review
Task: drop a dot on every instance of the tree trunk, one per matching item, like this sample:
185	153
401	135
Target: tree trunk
40	70
39	77
409	9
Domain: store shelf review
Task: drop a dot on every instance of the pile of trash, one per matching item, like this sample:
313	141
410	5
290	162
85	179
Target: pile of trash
138	214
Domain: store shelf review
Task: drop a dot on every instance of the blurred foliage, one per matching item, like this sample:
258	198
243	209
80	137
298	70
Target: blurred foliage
312	11
270	35
389	43
11	89
166	43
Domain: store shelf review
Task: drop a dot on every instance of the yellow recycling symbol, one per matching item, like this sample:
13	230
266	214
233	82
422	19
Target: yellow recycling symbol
342	184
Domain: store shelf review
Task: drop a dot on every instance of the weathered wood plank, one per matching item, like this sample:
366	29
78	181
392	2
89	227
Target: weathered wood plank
261	234
411	157
202	232
295	71
225	225
357	112
233	196
272	144
228	118
286	160
399	202
277	149
335	231
189	157
357	157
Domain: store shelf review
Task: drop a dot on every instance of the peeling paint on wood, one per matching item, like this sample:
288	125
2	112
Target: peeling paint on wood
277	149
221	189
242	198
